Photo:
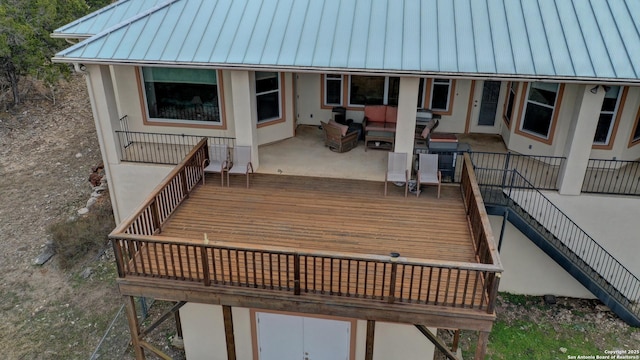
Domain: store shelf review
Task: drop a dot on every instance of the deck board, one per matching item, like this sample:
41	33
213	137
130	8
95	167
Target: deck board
327	214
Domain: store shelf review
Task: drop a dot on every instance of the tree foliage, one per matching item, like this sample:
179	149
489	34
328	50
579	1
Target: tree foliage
26	47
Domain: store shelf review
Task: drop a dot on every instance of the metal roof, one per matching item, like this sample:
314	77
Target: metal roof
105	18
556	39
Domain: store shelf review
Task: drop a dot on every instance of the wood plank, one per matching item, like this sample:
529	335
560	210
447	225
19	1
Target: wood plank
336	214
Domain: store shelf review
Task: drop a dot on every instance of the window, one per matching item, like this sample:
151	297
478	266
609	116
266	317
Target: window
268	96
440	90
511	99
183	95
333	90
373	90
607	116
539	109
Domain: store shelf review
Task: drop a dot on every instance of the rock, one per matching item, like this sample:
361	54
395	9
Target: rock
46	254
86	273
563	350
177	342
94	179
78	155
91	202
549	299
602	308
83	211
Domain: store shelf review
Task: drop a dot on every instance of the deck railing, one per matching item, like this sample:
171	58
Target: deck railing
156	148
140	252
299	272
612	177
168	195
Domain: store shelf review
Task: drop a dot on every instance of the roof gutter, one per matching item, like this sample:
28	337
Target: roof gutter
351	71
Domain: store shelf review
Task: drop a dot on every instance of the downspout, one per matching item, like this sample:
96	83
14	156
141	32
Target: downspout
80	68
504	225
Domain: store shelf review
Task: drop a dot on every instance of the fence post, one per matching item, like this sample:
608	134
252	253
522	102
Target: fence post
296	274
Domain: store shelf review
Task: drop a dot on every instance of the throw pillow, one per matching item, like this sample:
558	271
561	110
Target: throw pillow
343	128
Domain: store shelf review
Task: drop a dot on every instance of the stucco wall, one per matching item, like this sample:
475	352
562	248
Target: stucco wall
528	270
203	331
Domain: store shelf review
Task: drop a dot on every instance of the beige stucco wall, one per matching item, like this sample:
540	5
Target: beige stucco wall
203	331
528	270
609	220
619	150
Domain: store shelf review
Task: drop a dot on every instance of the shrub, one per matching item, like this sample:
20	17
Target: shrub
74	239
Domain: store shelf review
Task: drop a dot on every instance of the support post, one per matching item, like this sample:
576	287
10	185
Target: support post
134	327
371	331
481	348
228	332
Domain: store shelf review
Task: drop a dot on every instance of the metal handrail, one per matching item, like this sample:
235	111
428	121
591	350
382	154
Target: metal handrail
617	177
569	234
161	148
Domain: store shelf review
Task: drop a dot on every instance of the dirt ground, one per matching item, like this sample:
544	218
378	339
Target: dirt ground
46	155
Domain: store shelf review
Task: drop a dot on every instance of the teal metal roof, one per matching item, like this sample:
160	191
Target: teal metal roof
544	39
105	18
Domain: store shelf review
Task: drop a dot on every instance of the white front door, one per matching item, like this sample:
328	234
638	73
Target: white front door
288	337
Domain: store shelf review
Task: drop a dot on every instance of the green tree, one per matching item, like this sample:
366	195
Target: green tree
26	47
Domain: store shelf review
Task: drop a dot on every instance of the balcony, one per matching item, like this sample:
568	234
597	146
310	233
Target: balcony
314	245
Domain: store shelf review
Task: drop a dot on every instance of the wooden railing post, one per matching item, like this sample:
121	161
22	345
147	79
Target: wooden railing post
493	292
296	274
205	266
183	179
393	276
117	250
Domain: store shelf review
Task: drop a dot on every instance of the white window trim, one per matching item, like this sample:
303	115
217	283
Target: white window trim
553	113
440	81
341	80
614	114
180	121
278	90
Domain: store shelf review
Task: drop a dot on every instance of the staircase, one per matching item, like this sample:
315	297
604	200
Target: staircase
561	239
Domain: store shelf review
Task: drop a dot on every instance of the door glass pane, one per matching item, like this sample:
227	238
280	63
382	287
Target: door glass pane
489	104
394	91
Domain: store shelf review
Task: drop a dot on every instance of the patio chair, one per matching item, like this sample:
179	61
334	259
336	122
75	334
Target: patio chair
397	171
241	162
217	162
428	172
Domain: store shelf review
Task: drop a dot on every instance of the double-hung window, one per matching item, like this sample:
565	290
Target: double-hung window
182	95
332	90
539	109
607	116
268	96
373	90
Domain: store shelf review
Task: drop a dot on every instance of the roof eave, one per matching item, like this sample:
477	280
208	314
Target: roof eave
361	71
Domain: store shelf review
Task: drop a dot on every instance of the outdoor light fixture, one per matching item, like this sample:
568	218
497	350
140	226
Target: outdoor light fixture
594	90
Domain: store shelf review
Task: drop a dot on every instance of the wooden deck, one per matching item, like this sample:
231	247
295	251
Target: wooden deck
327	214
319	245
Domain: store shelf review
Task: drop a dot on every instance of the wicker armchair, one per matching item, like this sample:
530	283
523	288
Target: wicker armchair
337	142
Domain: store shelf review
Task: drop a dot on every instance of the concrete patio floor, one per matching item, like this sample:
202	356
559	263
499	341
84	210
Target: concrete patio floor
306	155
